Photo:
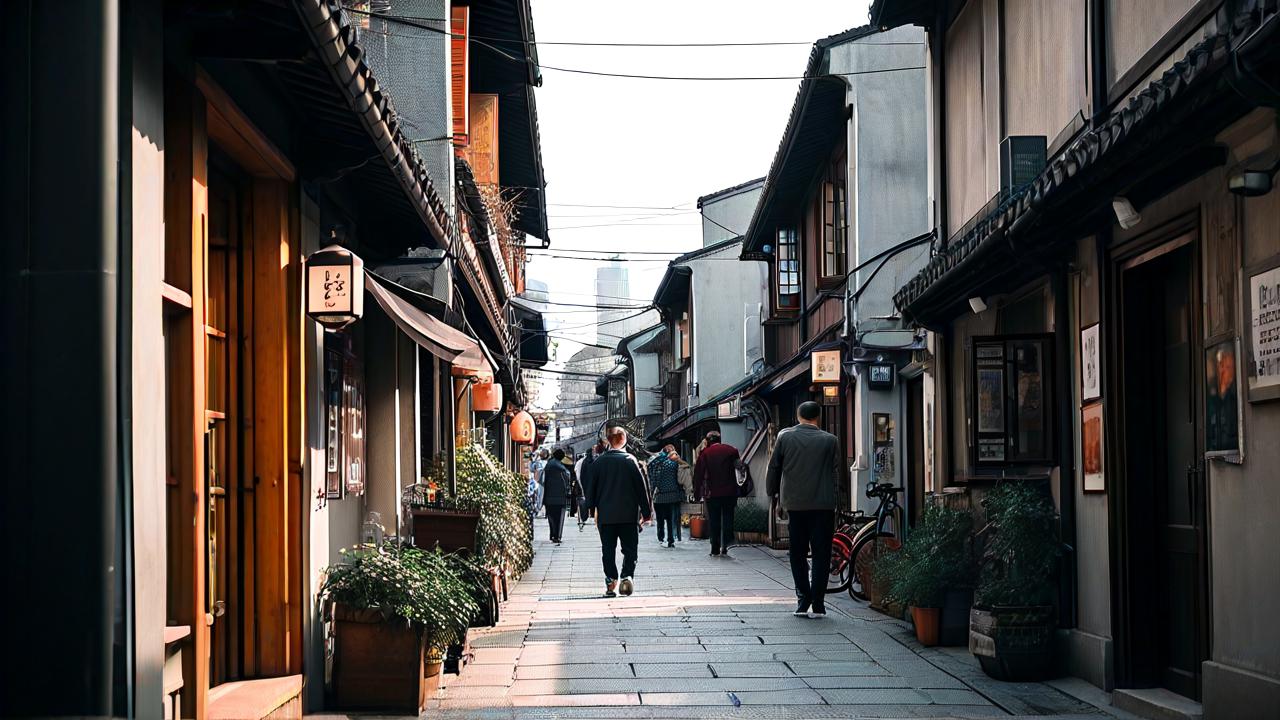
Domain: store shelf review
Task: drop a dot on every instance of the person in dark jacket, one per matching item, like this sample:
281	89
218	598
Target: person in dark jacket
556	483
664	474
803	472
584	478
617	491
715	479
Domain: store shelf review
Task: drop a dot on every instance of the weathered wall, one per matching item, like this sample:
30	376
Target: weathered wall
727	217
721	285
1046	67
1133	26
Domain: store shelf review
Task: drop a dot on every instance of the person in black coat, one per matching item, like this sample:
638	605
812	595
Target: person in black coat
618	492
556	482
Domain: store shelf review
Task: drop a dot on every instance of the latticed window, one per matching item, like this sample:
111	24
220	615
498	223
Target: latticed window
835	224
787	268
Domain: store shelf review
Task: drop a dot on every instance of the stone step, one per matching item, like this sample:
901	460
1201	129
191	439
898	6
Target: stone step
1157	704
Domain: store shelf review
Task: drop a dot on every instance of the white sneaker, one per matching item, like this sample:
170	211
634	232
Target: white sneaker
626	587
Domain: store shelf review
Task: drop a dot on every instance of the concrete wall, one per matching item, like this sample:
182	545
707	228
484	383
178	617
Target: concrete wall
646	376
721	286
727	216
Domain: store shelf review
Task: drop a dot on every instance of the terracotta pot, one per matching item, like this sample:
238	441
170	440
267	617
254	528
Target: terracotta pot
431	671
928	622
698	527
377	662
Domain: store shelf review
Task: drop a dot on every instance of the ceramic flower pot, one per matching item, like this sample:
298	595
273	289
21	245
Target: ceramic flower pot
928	622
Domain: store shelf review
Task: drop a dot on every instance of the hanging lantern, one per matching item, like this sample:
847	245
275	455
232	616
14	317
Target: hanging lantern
522	428
335	287
486	395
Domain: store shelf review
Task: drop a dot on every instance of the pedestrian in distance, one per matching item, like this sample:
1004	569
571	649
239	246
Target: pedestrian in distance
618	493
584	478
715	479
664	472
803	474
556	485
536	468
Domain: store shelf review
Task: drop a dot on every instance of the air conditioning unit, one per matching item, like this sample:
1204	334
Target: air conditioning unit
1022	159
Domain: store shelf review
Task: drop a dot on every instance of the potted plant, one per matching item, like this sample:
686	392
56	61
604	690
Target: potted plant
936	558
1011	626
698	526
751	523
394	609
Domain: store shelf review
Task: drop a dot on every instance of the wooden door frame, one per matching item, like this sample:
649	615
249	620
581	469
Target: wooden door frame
1179	232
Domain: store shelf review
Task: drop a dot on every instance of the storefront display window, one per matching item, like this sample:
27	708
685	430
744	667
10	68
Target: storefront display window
1011	413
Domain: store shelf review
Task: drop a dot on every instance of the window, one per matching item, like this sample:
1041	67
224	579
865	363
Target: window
835	225
1011	415
787	269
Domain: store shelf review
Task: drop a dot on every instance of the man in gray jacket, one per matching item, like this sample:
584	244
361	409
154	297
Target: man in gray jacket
802	476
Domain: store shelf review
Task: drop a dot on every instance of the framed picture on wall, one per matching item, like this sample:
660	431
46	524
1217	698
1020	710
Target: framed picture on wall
1223	432
1091	448
1090	364
1262	313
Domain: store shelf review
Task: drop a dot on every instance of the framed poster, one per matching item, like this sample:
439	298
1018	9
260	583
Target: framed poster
991	399
1222	427
883	461
1262	309
824	366
1091	448
1090	364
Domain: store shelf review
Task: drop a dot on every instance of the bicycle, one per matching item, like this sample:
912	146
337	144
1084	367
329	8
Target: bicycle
840	573
873	539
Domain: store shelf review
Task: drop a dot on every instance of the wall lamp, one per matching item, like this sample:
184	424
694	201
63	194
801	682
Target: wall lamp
977	304
1253	183
1126	215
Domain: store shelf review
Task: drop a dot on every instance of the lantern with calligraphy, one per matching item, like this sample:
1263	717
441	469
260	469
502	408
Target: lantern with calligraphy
522	428
335	287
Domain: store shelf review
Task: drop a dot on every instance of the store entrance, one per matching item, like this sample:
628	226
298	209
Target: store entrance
1164	495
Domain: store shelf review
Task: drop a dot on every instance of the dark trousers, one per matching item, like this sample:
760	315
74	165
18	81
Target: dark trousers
555	520
668	516
628	534
811	531
720	518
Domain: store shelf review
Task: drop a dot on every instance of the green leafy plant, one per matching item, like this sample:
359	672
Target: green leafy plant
504	537
420	587
1022	548
937	556
751	517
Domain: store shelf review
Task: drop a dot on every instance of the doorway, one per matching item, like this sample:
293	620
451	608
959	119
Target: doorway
913	461
1162	524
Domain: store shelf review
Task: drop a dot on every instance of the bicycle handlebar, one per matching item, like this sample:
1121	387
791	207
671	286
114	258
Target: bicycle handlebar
882	489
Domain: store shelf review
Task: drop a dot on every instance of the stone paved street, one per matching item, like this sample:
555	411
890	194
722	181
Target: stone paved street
709	637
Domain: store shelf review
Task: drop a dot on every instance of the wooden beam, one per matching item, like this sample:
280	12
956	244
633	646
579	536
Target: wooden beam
234	132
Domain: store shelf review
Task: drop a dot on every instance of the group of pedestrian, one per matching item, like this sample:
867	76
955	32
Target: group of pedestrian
623	495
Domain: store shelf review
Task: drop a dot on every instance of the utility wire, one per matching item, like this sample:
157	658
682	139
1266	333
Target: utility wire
621	207
597	307
600	259
615	252
632	76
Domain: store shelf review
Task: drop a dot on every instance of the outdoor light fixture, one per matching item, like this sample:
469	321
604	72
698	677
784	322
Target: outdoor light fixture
1253	183
335	287
1126	215
977	304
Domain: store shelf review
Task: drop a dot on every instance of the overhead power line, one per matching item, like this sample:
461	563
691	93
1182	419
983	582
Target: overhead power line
598	259
612	252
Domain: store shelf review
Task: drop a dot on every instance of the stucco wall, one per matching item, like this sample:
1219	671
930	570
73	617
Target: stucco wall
721	286
732	211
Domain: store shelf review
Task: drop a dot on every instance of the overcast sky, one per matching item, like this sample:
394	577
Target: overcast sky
658	143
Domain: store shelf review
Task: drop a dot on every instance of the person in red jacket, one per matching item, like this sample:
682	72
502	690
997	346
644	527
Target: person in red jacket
715	479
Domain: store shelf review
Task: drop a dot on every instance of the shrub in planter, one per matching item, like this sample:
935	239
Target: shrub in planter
1011	625
936	558
751	522
394	611
504	535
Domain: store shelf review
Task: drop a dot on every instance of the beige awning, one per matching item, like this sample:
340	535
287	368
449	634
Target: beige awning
434	335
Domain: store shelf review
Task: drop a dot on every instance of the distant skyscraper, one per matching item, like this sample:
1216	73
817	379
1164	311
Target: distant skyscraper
613	287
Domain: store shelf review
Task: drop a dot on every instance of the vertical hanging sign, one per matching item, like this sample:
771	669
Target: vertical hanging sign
335	287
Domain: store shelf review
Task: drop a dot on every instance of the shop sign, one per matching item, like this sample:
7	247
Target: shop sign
1263	305
824	366
830	394
880	376
335	287
727	409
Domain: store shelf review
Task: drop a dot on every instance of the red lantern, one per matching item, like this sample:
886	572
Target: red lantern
522	428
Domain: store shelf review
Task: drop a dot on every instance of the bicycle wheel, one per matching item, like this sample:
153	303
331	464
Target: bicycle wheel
865	555
841	570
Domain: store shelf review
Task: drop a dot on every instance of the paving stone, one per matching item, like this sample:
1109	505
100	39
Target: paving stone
956	697
593	670
674	670
612	700
820	668
875	696
764	669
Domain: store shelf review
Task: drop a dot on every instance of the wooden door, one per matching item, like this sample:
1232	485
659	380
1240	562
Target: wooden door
1164	482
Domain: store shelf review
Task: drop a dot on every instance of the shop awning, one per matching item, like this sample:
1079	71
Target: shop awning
433	335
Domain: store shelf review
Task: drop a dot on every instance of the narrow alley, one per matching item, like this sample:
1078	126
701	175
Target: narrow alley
703	636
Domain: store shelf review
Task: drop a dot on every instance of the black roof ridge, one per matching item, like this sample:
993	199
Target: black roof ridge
729	190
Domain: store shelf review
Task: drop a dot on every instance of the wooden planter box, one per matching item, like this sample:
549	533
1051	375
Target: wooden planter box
450	529
378	663
752	538
1013	643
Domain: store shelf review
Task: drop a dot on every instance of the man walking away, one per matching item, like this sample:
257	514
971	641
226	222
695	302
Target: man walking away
555	493
617	491
664	473
802	476
584	478
715	478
